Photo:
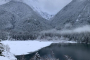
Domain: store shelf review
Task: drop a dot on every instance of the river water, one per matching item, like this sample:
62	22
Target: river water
75	51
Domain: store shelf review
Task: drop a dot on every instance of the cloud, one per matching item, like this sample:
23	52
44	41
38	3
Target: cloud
81	29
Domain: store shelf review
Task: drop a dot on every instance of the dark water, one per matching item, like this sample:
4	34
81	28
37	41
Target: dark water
75	51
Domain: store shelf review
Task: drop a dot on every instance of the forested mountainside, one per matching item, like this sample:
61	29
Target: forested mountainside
75	14
19	20
71	23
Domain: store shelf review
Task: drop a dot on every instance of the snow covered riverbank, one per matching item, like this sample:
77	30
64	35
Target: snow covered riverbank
26	47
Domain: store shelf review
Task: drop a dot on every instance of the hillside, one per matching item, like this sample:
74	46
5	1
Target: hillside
71	23
75	14
19	20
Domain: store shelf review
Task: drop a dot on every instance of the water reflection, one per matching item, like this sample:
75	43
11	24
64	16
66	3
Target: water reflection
75	51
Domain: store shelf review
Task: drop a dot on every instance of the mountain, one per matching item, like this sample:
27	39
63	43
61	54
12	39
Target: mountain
36	5
72	22
47	9
20	21
75	14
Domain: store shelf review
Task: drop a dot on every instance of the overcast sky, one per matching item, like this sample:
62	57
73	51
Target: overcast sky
49	6
53	6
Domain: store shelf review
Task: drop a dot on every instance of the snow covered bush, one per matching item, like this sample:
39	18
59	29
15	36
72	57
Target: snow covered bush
1	48
5	52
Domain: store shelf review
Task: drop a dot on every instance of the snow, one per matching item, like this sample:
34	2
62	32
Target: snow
35	5
4	58
9	55
77	20
46	8
25	47
3	1
6	54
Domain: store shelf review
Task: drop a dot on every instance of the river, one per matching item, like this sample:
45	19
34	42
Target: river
75	50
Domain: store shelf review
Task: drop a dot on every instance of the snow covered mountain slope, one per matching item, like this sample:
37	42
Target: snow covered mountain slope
37	6
47	9
75	14
19	19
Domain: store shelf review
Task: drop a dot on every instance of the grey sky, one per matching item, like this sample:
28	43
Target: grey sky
53	6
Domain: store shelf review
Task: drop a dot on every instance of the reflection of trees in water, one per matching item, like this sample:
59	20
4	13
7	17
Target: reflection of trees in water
51	57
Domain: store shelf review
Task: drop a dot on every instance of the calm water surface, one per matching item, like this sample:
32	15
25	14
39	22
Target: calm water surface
75	51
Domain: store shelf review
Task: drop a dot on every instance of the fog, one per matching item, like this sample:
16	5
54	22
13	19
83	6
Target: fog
82	29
